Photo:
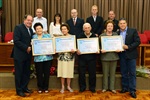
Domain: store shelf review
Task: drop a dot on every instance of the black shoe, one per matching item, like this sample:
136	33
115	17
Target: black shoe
82	90
21	94
28	91
133	94
93	91
123	91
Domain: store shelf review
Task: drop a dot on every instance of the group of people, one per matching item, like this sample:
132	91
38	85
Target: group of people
93	27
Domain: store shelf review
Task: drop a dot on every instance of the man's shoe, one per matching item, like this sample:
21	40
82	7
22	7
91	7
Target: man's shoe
93	91
28	91
21	94
81	90
133	94
123	91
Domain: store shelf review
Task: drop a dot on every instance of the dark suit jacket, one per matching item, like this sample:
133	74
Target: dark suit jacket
86	56
22	40
77	28
132	41
97	26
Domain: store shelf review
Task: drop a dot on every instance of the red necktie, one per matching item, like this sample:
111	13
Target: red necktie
74	21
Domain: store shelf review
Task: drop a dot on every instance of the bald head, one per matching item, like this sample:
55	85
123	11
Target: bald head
74	13
39	12
87	28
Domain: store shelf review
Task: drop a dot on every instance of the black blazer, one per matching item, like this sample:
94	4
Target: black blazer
97	26
22	40
132	41
86	56
77	28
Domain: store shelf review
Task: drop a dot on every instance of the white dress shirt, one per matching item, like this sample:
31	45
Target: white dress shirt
42	20
94	17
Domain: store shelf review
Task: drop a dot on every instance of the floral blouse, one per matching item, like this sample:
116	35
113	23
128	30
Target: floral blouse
67	56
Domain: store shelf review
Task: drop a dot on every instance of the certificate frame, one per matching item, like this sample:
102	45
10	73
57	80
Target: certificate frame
85	45
65	43
112	43
43	46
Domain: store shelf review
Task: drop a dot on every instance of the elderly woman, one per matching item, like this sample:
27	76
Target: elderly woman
109	60
42	62
65	63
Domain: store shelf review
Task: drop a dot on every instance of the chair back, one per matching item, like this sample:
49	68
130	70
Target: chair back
147	33
8	36
143	38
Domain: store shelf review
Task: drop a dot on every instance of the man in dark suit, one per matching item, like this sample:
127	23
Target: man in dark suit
75	23
87	61
95	21
128	57
111	16
22	55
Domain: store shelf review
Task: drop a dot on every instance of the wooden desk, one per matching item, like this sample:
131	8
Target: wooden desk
6	62
145	55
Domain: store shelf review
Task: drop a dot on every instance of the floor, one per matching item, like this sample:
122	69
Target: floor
76	95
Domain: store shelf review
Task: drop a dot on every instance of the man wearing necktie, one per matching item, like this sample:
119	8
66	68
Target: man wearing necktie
75	23
22	55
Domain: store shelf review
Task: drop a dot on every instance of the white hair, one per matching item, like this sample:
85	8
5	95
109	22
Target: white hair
86	24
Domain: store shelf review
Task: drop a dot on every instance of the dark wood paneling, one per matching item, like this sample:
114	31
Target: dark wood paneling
7	63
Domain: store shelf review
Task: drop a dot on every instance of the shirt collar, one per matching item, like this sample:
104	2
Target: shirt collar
74	18
26	26
95	16
88	35
124	30
39	18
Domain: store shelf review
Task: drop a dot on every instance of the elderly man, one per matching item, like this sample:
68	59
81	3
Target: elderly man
95	21
22	55
128	57
39	18
75	23
111	16
87	61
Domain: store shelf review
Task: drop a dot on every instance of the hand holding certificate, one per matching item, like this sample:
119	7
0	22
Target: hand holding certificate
88	45
65	43
112	43
43	47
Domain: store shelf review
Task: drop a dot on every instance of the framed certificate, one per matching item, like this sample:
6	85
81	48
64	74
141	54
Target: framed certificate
112	43
88	45
43	46
65	43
